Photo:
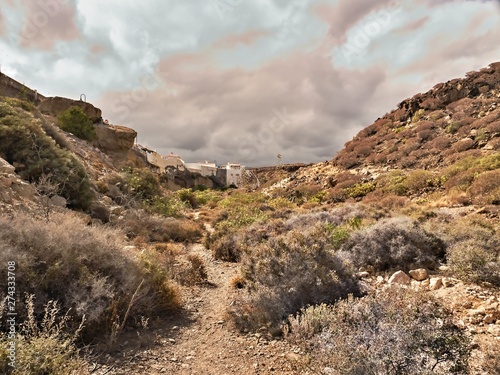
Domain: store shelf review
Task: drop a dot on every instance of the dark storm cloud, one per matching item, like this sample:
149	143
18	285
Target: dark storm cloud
258	79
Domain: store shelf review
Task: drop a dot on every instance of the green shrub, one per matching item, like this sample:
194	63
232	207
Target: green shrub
75	121
393	183
168	205
397	331
141	183
26	144
189	197
360	190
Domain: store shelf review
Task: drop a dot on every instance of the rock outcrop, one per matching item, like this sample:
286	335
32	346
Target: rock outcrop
55	105
13	190
117	142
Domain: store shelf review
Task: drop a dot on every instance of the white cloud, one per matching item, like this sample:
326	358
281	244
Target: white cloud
193	82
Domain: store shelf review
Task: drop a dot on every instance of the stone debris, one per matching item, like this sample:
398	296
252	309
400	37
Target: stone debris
399	277
419	274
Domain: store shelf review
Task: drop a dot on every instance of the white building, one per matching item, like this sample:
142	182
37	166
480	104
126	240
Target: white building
206	168
234	174
230	174
175	161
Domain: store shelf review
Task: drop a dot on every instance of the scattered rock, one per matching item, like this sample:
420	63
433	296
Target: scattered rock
449	282
419	274
494	330
489	319
399	277
6	168
435	283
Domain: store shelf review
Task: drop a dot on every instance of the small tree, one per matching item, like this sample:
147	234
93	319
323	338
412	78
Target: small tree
74	120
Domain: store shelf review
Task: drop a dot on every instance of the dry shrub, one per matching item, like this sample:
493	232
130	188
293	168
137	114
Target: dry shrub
226	248
389	202
472	261
336	217
170	261
42	348
86	269
287	273
473	250
493	127
491	358
494	144
460	181
440	143
419	180
431	104
395	243
486	188
154	228
463	145
193	271
398	331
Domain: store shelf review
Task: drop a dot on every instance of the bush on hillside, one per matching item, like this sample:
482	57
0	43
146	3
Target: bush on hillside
395	243
25	144
42	347
397	331
86	269
75	121
486	188
287	273
473	251
146	227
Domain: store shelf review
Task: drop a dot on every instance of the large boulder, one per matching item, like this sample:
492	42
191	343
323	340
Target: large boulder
116	141
55	105
399	278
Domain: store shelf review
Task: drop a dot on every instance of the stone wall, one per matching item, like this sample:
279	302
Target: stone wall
14	89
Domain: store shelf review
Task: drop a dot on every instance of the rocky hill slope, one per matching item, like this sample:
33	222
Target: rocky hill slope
441	141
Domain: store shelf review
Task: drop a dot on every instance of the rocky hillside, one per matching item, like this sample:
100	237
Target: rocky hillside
443	142
430	129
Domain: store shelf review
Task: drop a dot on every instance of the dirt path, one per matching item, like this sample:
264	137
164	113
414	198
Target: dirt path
201	340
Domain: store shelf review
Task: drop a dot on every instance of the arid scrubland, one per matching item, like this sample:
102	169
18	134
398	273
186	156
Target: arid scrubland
384	260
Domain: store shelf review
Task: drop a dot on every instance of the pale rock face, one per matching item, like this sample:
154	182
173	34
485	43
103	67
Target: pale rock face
399	278
6	168
494	330
419	274
54	106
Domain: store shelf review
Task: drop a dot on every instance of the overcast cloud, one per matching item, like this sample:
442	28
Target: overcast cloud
241	80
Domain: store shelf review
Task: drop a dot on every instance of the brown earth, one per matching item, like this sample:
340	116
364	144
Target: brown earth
201	340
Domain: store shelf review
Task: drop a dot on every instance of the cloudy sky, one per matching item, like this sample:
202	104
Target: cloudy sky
245	80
